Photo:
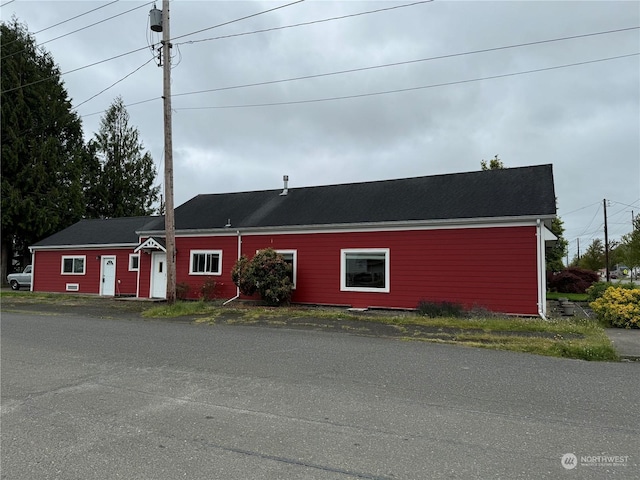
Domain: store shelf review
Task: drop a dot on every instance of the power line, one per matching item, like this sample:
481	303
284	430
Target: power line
238	19
295	25
72	71
113	84
77	16
127	105
395	64
132	51
80	29
422	87
581	208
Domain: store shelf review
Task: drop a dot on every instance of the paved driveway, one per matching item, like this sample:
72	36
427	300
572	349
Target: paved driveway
90	398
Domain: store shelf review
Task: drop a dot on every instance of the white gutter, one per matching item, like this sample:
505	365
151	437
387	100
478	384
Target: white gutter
479	222
541	270
239	255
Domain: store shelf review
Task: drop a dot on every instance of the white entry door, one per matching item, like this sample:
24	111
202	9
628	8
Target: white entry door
108	276
158	275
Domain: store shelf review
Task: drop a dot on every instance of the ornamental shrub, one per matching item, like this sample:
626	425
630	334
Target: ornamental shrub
619	307
571	280
266	273
596	290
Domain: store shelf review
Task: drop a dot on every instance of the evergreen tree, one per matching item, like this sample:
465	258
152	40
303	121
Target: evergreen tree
593	258
630	245
557	252
125	173
42	146
494	164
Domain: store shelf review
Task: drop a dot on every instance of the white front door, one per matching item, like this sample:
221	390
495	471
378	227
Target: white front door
108	276
158	275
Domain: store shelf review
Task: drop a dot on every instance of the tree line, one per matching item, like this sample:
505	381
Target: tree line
625	252
51	176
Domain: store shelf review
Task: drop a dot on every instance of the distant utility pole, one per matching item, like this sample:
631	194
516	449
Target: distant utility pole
606	242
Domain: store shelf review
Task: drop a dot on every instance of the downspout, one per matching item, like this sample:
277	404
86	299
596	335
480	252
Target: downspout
239	254
33	269
542	284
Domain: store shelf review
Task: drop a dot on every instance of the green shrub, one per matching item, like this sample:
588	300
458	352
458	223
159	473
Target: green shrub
596	290
266	273
440	309
619	307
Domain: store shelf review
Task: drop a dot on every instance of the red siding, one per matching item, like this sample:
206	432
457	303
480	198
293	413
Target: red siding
48	268
229	246
494	268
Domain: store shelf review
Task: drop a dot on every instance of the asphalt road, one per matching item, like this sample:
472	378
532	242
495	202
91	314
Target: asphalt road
89	398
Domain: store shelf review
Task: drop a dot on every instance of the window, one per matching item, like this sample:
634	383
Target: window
206	262
291	257
73	265
134	262
364	270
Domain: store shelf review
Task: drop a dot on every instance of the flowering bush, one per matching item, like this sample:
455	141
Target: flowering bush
620	307
596	290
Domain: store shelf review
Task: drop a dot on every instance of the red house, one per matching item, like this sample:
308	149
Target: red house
474	238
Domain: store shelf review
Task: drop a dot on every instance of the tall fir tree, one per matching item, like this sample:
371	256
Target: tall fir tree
42	146
124	173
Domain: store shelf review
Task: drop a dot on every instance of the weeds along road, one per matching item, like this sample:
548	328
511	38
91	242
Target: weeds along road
90	398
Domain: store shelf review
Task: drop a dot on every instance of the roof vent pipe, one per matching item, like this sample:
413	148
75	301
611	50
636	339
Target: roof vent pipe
285	178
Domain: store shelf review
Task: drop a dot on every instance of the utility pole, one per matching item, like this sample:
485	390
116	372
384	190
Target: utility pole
578	249
169	220
606	242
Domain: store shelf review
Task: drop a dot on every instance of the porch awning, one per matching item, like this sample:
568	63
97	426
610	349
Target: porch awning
151	244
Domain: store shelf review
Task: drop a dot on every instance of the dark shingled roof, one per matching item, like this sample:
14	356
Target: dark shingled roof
100	232
512	192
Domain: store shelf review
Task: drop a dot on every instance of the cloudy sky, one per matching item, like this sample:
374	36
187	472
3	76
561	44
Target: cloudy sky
389	90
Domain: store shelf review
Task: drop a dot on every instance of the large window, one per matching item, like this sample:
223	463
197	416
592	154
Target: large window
364	270
291	257
73	265
206	262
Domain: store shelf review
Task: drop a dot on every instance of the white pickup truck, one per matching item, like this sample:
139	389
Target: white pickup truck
17	280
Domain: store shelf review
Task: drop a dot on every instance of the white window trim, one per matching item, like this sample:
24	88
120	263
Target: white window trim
294	253
74	257
132	256
206	252
343	270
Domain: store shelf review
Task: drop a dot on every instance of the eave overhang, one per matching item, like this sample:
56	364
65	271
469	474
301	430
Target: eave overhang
366	226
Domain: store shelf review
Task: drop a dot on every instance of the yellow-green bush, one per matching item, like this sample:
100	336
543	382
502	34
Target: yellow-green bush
619	307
